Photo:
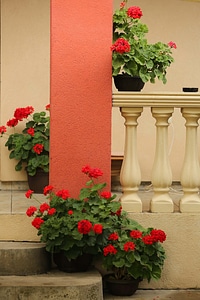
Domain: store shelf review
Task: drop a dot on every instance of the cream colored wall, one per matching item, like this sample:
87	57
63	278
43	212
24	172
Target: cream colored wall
178	21
24	64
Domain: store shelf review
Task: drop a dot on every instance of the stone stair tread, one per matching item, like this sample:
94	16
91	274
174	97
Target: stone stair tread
53	278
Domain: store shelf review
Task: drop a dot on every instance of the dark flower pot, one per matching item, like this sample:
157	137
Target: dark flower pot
122	287
125	82
38	181
80	264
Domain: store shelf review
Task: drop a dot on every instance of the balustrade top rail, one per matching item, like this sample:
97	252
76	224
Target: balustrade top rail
160	99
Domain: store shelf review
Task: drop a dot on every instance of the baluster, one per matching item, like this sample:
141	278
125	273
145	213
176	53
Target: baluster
130	175
161	172
190	175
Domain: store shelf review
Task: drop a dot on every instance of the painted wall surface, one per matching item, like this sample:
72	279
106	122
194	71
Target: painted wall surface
81	36
24	65
172	20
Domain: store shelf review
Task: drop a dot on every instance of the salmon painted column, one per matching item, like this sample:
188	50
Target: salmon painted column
81	91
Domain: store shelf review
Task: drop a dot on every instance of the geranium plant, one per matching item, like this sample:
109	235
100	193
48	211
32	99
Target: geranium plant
133	251
30	147
131	52
76	226
96	224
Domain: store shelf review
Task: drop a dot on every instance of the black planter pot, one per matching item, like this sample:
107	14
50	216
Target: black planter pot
80	264
38	181
119	287
125	82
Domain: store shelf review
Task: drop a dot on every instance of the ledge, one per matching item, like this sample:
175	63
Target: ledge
140	99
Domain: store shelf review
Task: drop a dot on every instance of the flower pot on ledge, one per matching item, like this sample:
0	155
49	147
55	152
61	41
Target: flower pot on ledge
38	181
125	82
119	287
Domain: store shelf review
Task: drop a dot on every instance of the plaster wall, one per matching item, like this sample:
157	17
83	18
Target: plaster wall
172	20
80	91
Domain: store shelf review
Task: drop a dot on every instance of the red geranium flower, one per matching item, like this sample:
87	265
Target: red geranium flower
47	189
158	235
37	222
172	45
47	107
113	236
98	228
44	206
110	249
121	46
30	211
51	211
12	123
129	246
31	131
84	226
106	195
38	148
148	240
23	112
70	212
134	12
136	234
63	194
29	193
2	129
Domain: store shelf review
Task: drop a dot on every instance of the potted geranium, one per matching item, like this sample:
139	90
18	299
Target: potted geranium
132	253
29	146
132	55
95	226
73	228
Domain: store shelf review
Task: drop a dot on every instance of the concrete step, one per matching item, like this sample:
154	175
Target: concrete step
54	285
23	258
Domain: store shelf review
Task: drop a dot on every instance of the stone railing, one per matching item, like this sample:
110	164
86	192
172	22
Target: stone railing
162	107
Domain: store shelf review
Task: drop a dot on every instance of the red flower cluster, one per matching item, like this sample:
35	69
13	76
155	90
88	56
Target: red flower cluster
84	226
23	112
47	189
63	194
134	12
110	249
121	46
172	45
29	193
92	173
158	235
37	222
70	212
30	211
12	122
31	131
148	240
113	236
106	195
136	234
2	129
51	211
98	228
38	148
43	207
129	246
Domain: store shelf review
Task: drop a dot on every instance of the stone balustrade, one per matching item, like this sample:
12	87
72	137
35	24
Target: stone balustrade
162	106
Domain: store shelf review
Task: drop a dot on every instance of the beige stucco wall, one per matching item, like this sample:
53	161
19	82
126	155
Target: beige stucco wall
166	20
24	64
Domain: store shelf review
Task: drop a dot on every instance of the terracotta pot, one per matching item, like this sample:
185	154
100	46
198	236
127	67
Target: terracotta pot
80	264
125	82
119	287
38	181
